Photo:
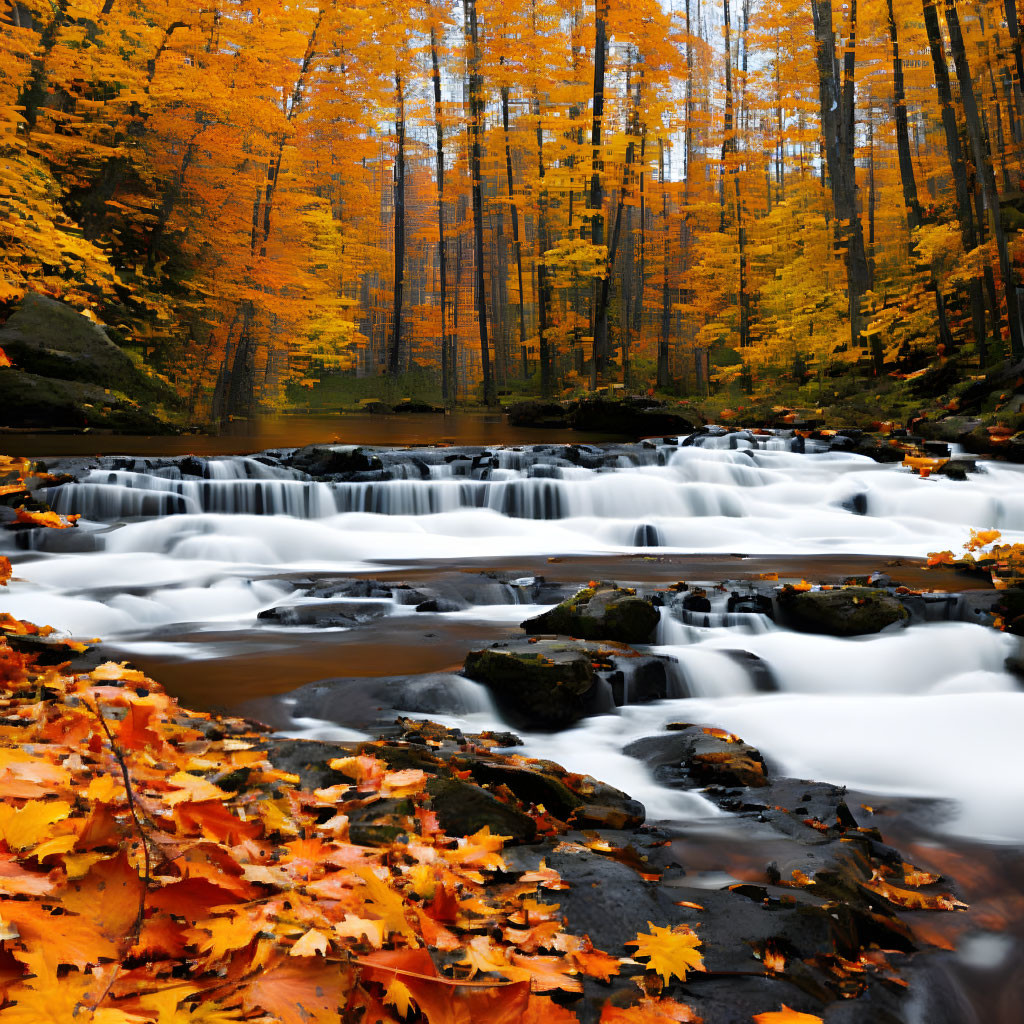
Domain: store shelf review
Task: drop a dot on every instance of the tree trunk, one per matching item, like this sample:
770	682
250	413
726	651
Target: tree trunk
663	340
515	231
986	175
838	123
543	288
447	391
910	197
476	116
601	354
394	352
957	165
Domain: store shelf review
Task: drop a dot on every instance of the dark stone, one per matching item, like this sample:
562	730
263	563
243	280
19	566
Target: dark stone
538	414
463	809
547	685
604	612
628	417
851	611
334	460
325	614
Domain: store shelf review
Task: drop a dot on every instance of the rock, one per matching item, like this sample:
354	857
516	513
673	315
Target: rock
51	339
691	755
535	413
29	401
326	614
959	468
851	611
630	417
547	685
333	460
463	809
603	612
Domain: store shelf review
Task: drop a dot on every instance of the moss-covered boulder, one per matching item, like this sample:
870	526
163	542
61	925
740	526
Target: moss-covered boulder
29	401
601	612
850	611
547	685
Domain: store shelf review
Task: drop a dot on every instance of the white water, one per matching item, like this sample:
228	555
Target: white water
925	711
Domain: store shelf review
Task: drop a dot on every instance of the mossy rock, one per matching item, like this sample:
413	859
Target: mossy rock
28	401
603	612
52	339
851	611
549	686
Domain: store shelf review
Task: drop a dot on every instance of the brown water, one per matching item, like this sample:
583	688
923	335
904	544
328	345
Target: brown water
245	436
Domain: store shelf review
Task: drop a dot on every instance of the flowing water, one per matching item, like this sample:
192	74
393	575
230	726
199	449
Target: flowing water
177	567
173	569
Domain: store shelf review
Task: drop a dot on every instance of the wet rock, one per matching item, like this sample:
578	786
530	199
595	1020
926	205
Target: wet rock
334	460
326	614
546	685
602	612
692	755
958	468
463	809
851	611
309	759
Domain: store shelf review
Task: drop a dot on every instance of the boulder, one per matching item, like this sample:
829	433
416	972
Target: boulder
51	339
631	418
601	612
30	401
547	685
534	413
334	459
850	611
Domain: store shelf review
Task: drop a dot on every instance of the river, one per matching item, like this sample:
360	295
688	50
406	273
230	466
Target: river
174	570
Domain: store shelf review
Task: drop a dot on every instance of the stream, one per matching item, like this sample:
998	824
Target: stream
222	578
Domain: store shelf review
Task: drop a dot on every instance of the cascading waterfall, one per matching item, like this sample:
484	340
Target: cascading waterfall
170	551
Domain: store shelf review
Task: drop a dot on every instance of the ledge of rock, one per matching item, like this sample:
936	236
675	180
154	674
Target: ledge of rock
850	611
604	611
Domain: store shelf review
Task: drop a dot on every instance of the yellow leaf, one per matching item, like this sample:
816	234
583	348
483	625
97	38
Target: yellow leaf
399	996
670	951
28	825
310	944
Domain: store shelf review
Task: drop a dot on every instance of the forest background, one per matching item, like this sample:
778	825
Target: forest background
279	205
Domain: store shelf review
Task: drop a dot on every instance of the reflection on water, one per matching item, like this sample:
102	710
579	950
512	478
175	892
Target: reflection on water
295	431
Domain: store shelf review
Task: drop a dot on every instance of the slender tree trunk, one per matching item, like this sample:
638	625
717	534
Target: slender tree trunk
515	231
447	391
958	168
986	174
663	340
599	330
543	288
476	116
838	123
910	196
394	352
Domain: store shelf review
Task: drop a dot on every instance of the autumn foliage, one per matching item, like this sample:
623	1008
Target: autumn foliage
260	197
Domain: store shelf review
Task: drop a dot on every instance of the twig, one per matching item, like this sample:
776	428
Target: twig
136	931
